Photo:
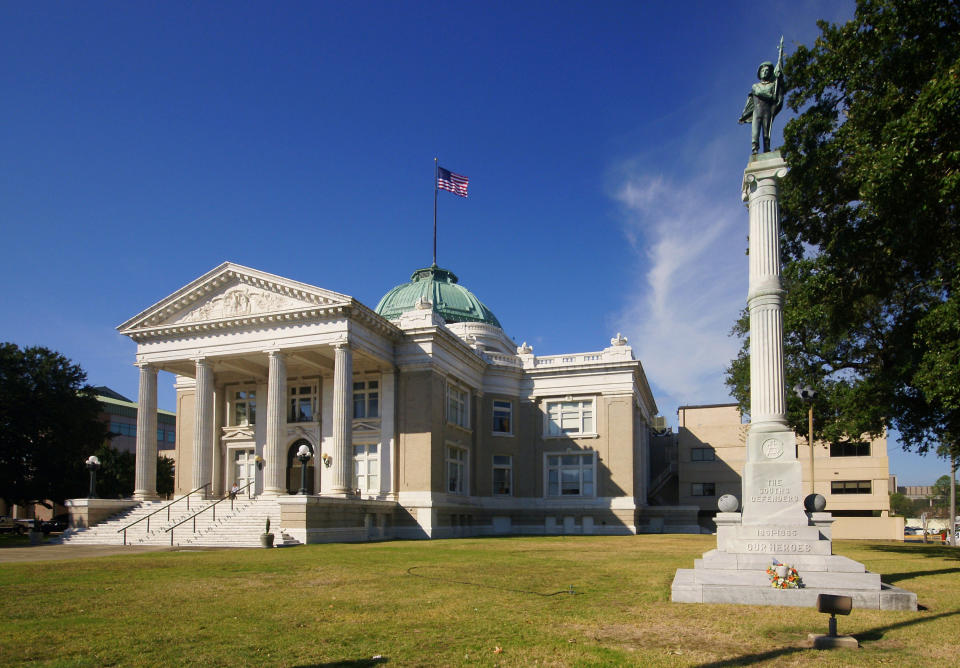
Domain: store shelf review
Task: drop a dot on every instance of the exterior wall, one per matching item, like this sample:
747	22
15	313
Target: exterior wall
874	528
419	411
874	468
719	427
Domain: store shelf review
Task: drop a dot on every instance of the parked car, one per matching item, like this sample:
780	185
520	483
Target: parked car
58	523
11	525
912	531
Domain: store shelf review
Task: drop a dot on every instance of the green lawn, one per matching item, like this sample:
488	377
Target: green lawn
449	602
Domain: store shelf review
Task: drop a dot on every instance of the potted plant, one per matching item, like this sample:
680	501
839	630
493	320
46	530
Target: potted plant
266	538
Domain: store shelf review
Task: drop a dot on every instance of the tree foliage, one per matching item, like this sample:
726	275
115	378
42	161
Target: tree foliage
870	237
49	424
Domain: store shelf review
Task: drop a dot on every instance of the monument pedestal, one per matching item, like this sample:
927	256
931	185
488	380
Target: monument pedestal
736	572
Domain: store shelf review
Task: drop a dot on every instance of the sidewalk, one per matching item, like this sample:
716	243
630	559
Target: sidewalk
58	552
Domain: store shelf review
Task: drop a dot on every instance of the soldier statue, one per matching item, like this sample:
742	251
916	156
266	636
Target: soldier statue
765	101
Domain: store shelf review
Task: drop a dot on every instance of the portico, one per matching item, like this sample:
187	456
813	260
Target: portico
260	362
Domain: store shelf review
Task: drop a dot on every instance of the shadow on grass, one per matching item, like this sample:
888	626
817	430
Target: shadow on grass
356	663
868	635
917	550
891	578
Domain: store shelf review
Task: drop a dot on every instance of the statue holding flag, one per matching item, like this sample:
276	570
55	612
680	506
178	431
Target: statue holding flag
765	100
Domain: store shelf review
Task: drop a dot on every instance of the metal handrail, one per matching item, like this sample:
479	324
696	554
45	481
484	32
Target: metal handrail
166	507
213	505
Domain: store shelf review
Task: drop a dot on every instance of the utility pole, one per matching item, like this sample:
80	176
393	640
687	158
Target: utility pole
953	500
807	395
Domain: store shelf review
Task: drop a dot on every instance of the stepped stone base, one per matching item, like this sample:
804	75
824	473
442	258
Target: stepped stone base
735	572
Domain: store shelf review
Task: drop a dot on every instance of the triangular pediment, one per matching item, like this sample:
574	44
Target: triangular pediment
232	292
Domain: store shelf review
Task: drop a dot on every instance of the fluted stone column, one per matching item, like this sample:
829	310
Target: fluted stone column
342	420
203	426
275	470
145	477
772	475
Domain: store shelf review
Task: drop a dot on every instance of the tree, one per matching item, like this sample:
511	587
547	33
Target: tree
900	504
49	424
165	470
115	479
870	234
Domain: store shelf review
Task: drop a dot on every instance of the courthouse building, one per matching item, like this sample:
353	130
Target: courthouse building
422	417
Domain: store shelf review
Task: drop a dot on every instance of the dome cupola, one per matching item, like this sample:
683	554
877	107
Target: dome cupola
451	301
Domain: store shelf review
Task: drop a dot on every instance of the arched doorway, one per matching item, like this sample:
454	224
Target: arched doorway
293	468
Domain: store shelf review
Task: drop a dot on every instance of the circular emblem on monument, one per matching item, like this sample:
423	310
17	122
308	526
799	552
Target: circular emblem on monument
772	448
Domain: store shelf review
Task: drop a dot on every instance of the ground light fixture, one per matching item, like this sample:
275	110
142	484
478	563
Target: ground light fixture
304	455
833	605
92	464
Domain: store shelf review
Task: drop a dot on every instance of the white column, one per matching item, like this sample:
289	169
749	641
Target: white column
203	426
342	420
768	411
388	445
145	482
275	469
772	476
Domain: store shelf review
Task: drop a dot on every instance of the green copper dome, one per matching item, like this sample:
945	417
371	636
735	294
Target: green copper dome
453	302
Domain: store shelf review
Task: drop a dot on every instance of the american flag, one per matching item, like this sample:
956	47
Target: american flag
455	183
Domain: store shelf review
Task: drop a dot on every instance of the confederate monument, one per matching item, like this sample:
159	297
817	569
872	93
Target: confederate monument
777	550
765	100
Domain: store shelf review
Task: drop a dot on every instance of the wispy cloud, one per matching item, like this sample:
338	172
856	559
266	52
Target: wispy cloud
691	280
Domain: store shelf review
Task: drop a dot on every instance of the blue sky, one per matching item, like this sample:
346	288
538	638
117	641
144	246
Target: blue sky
145	143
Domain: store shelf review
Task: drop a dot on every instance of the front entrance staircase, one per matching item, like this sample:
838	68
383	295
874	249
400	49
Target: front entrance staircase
239	526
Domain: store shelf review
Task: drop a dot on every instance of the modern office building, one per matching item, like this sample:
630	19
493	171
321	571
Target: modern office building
852	476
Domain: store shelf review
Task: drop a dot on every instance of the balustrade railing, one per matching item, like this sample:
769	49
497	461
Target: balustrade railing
212	507
159	510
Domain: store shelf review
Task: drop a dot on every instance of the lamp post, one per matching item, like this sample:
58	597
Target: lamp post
304	455
807	394
92	465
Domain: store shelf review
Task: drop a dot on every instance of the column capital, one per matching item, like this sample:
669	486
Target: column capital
145	366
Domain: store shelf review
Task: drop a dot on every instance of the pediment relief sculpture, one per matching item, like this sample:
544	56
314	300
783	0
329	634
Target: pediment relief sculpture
237	301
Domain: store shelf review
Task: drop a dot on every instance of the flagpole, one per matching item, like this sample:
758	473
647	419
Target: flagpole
436	174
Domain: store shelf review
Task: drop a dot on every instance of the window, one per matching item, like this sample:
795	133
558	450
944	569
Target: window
366	399
171	437
302	403
244	407
567	418
702	455
502	417
458	403
123	429
703	489
850	487
570	475
850	449
456	470
366	467
502	475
